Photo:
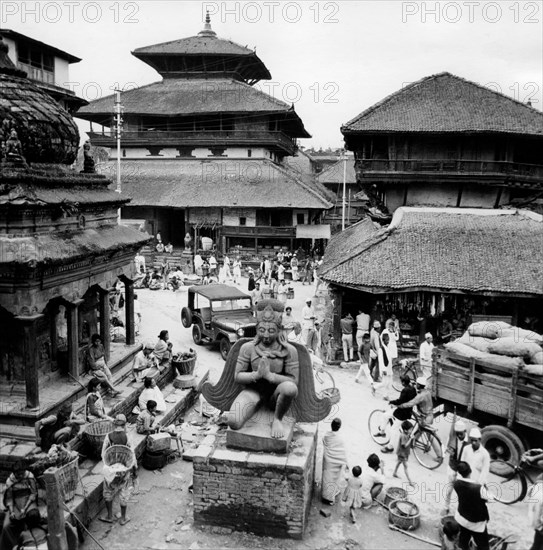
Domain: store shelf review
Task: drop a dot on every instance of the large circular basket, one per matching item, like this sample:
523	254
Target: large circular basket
185	366
394	493
120	454
95	433
404	515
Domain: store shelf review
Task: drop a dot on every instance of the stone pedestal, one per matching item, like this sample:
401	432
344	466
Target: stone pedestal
262	493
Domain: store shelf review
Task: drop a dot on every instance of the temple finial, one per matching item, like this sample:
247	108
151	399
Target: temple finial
208	31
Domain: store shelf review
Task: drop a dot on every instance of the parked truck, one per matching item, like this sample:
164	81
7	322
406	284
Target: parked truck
507	403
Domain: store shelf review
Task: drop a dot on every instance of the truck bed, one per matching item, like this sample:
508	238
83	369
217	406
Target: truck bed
504	393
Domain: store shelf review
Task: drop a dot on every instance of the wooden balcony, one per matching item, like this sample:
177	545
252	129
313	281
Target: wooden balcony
258	231
205	138
420	169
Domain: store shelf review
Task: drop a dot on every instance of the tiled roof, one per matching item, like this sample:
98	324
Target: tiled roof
334	173
178	96
217	183
447	103
477	251
59	246
196	45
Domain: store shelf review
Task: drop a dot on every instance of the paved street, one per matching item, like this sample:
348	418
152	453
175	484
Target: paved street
162	517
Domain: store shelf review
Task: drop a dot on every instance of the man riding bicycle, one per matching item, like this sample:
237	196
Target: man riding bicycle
407	394
423	403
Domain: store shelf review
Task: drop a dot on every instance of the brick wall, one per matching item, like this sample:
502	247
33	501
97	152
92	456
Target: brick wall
262	493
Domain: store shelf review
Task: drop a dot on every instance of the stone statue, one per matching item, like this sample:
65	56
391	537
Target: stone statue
14	149
188	240
88	161
267	372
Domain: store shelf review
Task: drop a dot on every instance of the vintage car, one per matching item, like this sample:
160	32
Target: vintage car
219	313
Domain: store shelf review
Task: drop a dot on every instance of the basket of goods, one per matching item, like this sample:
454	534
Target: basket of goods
95	433
119	459
68	478
331	392
404	515
64	463
394	493
185	362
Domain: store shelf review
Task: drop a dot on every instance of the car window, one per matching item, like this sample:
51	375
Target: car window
242	303
222	305
200	302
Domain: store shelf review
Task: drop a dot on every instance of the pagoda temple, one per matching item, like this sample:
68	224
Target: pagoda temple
203	150
62	250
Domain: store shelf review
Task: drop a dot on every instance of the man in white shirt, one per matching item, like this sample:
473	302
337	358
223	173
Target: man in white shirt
212	265
256	294
373	480
308	319
362	327
426	349
477	457
393	337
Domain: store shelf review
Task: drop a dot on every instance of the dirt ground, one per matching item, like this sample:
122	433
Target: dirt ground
162	511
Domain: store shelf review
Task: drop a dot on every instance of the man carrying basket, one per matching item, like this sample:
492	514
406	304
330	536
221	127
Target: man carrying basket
115	480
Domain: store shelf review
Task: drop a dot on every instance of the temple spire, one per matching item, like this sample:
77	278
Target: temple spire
208	31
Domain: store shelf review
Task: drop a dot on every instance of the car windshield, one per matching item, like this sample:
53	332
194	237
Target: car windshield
231	305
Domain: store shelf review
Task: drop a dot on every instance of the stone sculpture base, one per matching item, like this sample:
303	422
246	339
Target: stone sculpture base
255	435
264	493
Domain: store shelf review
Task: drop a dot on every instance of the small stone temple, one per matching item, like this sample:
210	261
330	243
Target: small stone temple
61	252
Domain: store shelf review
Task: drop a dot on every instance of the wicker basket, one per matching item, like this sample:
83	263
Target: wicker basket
68	478
95	433
120	454
333	392
185	366
394	493
404	515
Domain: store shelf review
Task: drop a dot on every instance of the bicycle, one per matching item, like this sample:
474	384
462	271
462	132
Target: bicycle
407	367
423	439
508	482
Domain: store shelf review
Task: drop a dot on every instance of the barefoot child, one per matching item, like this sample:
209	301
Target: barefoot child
352	495
404	449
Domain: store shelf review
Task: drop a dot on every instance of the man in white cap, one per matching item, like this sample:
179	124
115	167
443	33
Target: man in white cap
423	402
143	362
477	457
308	320
455	449
426	349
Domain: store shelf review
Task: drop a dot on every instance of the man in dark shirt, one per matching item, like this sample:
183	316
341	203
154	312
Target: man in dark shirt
407	394
472	513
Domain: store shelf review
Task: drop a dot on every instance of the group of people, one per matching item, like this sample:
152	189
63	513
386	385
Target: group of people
163	278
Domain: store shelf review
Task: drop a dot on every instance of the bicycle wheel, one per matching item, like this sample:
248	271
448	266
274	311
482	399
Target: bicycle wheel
506	482
427	449
379	427
398	370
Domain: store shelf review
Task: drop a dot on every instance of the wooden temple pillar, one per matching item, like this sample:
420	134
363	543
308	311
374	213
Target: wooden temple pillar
105	320
31	359
72	313
130	325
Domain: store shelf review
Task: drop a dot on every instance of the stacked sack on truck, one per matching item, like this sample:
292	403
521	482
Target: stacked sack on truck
503	345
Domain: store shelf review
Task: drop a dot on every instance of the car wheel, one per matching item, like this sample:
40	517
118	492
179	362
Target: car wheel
186	317
197	335
224	346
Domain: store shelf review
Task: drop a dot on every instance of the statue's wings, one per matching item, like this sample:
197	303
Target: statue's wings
308	406
223	393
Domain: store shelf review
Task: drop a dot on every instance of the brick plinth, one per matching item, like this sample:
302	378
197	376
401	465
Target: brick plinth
266	494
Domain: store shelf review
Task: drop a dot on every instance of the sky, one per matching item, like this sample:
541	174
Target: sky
331	59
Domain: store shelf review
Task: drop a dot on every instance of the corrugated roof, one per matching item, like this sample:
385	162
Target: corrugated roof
216	183
178	96
447	103
469	250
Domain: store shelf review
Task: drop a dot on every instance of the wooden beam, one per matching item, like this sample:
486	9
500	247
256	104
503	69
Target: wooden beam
31	360
56	539
72	310
105	321
129	311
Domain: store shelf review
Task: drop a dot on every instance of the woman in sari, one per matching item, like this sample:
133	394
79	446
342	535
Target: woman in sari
97	363
334	461
151	392
163	349
94	406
